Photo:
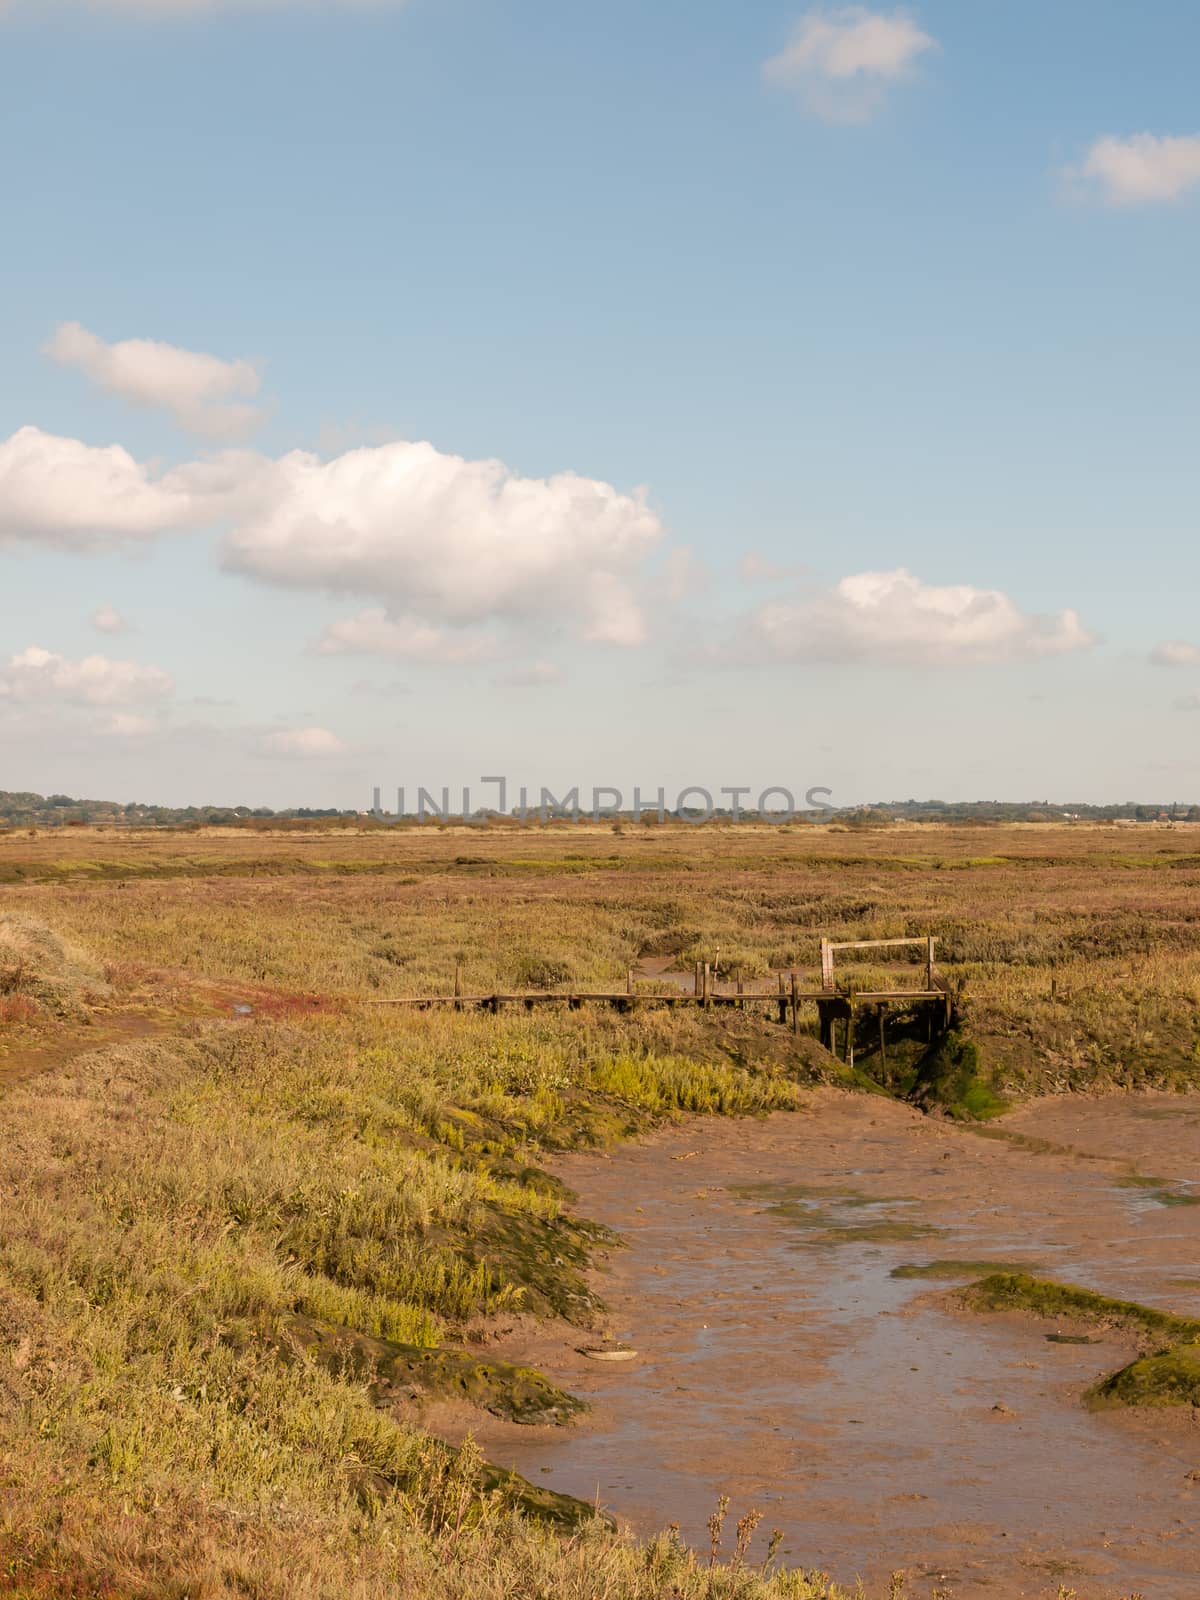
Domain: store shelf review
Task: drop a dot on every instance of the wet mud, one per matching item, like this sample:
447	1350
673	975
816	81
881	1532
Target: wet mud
787	1286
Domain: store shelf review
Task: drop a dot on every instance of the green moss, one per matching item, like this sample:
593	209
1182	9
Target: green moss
1171	1378
951	1075
883	1232
1041	1297
956	1269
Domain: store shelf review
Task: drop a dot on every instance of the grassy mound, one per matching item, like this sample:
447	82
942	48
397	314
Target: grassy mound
1171	1378
1042	1297
519	1394
37	965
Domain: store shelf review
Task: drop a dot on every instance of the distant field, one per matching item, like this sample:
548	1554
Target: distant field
1077	946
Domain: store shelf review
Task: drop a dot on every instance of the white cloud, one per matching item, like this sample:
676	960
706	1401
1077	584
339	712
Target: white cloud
894	619
1176	653
37	674
107	619
303	743
1139	170
533	675
450	541
79	497
841	61
373	632
203	393
124	725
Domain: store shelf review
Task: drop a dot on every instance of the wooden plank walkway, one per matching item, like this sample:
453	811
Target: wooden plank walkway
834	1004
672	997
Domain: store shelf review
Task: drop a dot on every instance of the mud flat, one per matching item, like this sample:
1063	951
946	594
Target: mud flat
781	1361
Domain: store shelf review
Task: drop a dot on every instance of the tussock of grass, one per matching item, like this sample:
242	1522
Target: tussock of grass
1171	1378
38	966
1041	1297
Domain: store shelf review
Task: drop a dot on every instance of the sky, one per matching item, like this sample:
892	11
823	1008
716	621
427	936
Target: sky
398	392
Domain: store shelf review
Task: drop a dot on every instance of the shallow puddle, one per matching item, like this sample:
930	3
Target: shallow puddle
785	1361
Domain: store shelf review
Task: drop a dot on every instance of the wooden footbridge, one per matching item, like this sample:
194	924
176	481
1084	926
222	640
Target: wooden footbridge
835	1002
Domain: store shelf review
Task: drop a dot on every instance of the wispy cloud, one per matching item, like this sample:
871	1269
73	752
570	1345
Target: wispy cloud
1176	653
107	619
1141	169
302	743
374	633
203	393
840	62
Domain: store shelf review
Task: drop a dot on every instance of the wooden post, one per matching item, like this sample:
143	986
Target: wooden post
697	981
457	986
882	1037
795	1005
850	1037
707	985
740	989
826	965
782	1001
629	980
929	963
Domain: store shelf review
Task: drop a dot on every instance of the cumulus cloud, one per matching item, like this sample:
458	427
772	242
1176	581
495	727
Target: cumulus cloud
303	743
373	632
1176	653
83	497
203	393
107	619
1140	169
38	674
892	618
450	541
841	61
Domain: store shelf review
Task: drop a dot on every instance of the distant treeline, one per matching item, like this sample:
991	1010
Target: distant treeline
61	810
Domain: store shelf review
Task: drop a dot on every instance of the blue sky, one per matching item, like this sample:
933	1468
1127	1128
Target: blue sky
837	291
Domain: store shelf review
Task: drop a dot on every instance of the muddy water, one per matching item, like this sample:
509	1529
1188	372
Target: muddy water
781	1363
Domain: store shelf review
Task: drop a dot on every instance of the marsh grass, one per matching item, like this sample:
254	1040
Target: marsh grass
225	1250
176	1209
1075	949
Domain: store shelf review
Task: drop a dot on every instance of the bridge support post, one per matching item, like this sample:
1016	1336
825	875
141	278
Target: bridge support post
883	1039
